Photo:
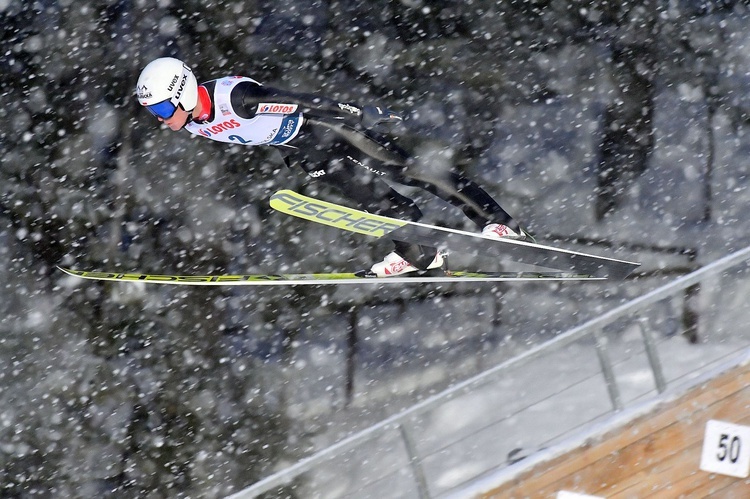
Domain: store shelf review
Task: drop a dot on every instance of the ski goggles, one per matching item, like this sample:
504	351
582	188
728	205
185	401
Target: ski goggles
164	109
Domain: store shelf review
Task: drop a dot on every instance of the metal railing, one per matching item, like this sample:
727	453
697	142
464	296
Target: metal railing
408	438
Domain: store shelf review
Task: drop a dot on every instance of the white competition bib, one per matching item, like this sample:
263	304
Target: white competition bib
273	123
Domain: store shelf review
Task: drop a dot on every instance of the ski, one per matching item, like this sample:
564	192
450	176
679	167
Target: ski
322	278
361	222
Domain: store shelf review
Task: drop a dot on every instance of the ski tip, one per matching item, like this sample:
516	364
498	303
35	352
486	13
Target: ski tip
618	272
66	271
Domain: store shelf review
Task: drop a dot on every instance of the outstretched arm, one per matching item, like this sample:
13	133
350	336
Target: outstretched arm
254	97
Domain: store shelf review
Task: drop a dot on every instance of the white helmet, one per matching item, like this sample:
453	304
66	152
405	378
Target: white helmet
164	84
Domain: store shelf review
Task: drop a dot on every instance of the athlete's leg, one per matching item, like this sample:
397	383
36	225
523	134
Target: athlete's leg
396	164
328	159
463	193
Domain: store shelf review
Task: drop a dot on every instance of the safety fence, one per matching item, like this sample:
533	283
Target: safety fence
662	339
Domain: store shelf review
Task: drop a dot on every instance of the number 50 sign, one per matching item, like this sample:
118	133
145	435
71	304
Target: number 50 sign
726	449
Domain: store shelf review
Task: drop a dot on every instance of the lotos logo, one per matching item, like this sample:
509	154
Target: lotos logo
218	128
270	108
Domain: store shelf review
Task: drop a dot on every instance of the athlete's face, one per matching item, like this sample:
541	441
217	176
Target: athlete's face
177	121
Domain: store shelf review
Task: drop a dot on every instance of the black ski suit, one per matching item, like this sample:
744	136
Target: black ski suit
334	146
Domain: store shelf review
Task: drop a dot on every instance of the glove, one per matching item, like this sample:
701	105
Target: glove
379	119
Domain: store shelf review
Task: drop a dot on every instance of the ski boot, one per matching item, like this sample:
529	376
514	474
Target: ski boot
394	264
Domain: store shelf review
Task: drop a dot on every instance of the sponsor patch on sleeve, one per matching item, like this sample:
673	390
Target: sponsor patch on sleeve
350	109
273	108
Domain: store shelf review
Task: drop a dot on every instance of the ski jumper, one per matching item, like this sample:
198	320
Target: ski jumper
325	139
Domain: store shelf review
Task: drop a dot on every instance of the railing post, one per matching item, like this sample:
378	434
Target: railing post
690	316
416	466
653	357
600	341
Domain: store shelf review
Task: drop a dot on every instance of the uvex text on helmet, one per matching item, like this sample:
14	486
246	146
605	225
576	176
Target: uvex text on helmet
167	79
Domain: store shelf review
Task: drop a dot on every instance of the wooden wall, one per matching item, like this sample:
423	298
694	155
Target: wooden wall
657	455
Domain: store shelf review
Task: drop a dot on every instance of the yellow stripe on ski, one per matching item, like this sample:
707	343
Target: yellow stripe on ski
333	215
321	278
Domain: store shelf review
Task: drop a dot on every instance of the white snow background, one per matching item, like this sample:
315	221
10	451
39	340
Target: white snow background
128	389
